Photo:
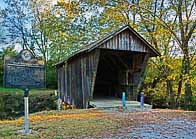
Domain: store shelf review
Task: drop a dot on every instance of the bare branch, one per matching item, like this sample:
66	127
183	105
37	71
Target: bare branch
193	27
163	23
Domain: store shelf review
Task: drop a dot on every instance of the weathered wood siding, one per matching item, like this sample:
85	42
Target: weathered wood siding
139	66
125	40
77	78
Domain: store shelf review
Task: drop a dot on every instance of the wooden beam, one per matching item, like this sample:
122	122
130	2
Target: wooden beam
114	62
143	69
122	62
108	63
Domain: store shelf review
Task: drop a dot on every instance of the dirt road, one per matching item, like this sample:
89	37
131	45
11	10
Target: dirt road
158	124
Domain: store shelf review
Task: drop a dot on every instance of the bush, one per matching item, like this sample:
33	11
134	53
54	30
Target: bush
51	76
192	106
12	104
155	99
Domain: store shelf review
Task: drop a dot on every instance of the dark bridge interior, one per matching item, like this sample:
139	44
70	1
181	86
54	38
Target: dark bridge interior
111	73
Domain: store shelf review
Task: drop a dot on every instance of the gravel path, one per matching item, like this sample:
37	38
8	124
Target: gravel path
172	129
159	124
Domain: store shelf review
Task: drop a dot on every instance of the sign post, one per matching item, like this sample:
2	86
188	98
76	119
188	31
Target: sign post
59	101
123	100
142	100
24	71
26	111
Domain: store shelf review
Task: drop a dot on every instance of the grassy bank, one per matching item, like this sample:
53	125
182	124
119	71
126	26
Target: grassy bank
12	103
32	91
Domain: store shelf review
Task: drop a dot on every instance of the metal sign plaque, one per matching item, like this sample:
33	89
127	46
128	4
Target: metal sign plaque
24	71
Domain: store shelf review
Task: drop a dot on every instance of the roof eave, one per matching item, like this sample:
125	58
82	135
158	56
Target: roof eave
143	40
99	42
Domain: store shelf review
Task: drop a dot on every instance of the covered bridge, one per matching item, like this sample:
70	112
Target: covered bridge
105	68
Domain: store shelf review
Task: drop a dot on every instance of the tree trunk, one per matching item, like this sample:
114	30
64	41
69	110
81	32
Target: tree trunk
45	68
186	65
170	93
179	92
188	94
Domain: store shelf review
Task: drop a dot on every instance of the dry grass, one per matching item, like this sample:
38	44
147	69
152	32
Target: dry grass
64	124
86	123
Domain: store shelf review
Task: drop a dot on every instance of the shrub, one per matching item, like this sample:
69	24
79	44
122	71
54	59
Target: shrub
12	104
192	106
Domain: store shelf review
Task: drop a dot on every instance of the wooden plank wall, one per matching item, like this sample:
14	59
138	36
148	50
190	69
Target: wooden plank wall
125	40
139	66
77	79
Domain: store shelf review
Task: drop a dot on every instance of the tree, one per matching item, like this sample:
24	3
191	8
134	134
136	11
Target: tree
170	27
17	20
182	32
24	25
70	25
6	51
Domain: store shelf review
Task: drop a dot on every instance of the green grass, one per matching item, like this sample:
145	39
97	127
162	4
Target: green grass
7	132
9	90
32	91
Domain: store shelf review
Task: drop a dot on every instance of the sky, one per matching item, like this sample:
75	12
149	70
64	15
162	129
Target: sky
2	4
17	46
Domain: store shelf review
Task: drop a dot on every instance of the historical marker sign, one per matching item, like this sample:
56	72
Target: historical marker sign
24	71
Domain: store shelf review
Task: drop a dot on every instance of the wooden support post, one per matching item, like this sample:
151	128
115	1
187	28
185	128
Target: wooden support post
127	85
142	73
121	61
94	73
108	63
114	62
